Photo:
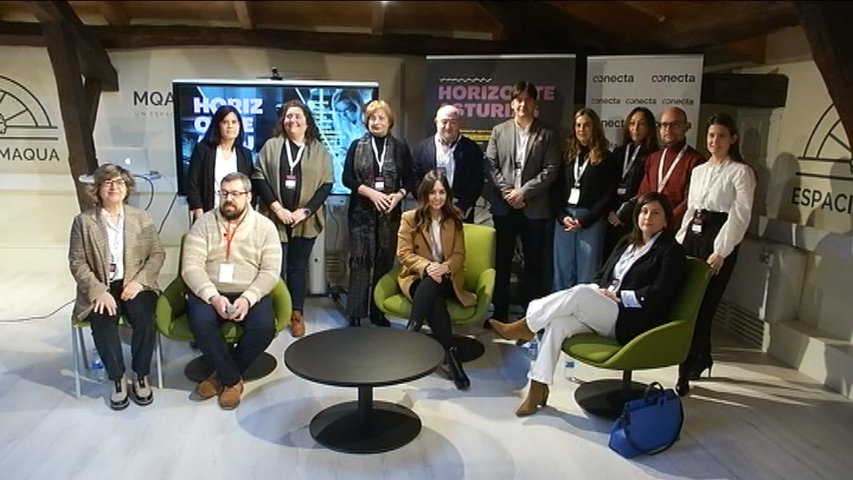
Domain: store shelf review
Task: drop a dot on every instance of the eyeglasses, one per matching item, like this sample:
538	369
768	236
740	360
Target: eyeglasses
116	182
226	194
665	125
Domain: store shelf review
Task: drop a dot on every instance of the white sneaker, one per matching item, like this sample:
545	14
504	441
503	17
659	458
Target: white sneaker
118	397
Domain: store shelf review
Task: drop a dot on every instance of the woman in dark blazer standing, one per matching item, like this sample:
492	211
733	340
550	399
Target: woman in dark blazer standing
219	153
632	293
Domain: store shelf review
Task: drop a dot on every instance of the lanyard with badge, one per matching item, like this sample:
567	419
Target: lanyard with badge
290	179
379	181
226	270
626	167
575	192
444	156
115	244
663	179
521	139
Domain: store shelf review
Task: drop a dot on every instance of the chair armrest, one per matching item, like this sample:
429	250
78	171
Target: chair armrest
171	304
282	305
386	287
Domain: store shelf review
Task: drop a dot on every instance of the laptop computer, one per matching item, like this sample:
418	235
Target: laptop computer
133	159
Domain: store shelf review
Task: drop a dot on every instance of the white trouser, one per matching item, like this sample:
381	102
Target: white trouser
580	309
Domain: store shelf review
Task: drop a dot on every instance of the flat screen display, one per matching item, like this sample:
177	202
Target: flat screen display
337	108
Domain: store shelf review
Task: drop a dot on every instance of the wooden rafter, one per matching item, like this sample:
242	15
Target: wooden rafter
245	17
76	105
114	13
377	18
827	27
94	61
731	21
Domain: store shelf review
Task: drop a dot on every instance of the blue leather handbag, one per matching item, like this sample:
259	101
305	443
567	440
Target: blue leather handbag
648	425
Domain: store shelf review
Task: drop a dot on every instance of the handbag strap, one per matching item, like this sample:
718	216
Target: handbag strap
664	447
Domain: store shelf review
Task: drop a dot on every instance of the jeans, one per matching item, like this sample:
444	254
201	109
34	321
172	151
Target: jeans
230	363
577	255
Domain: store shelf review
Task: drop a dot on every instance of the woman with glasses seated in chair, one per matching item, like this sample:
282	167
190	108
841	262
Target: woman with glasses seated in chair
431	250
632	293
115	257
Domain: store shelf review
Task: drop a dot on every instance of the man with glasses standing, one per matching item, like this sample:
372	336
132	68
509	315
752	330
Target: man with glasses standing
668	170
231	261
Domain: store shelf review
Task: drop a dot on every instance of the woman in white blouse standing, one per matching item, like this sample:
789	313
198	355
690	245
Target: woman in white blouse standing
719	206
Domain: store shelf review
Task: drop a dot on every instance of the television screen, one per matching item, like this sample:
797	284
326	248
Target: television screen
336	106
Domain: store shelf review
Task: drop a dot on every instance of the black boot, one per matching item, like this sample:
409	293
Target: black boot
460	379
354	321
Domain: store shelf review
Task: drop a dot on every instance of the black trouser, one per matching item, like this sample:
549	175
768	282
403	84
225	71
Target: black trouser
139	313
258	332
429	301
294	267
701	246
532	232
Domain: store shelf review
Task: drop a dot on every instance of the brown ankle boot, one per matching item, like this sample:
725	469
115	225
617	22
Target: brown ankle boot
537	396
516	330
297	325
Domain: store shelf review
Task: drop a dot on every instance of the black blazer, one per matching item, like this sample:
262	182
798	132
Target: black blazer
656	279
468	176
200	191
598	185
632	180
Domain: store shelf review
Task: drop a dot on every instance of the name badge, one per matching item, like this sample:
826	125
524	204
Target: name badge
379	183
696	223
574	196
290	182
226	273
622	190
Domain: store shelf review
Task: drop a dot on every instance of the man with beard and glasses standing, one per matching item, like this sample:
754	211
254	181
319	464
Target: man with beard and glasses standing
231	261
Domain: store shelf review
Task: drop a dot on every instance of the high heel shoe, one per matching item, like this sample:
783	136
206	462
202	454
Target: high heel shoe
537	396
682	387
695	373
517	330
460	379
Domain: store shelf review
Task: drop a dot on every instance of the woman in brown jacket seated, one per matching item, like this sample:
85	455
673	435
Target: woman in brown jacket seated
431	250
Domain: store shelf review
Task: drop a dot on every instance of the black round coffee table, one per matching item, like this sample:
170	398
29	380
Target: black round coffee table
364	358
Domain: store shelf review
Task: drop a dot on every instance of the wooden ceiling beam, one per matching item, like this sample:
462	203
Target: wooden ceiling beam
245	16
114	13
645	9
827	28
94	61
377	18
730	21
147	36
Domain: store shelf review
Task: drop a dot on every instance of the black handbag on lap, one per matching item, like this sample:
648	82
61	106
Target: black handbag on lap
648	425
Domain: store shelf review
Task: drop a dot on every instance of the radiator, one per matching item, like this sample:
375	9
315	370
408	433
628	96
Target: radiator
765	288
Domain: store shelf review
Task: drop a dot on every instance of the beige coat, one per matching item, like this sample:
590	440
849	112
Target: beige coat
414	252
89	255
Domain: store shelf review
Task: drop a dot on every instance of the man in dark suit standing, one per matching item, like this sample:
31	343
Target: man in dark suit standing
456	156
522	161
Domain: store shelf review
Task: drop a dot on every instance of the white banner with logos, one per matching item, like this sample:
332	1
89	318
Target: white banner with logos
615	85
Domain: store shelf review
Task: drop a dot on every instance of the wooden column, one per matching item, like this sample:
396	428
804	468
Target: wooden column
77	115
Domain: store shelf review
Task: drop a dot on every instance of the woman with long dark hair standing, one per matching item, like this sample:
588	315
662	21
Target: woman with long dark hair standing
719	206
638	141
219	153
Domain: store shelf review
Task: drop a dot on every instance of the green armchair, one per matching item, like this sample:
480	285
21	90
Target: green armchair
479	278
662	346
172	323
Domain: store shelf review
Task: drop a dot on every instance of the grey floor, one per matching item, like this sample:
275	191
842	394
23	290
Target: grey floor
753	420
